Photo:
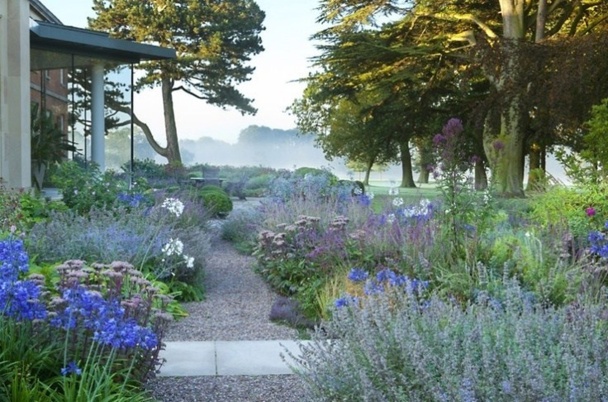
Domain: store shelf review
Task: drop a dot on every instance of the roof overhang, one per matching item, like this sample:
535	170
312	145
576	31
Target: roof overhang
59	46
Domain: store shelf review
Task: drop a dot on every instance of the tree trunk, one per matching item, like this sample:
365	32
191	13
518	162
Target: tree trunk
423	177
510	168
535	173
407	175
481	178
173	155
368	171
510	161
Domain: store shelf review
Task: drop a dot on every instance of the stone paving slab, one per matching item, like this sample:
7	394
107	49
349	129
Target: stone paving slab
227	358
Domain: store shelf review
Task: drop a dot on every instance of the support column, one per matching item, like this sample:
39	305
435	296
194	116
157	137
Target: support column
98	146
15	97
3	92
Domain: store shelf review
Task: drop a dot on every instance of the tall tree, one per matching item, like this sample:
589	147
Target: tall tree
501	39
214	41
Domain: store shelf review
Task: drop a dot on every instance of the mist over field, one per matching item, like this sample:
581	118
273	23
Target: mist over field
261	146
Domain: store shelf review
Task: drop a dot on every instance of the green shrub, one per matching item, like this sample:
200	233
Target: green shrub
83	189
258	186
215	200
567	207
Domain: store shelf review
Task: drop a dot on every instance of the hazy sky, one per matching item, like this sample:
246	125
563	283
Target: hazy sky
289	24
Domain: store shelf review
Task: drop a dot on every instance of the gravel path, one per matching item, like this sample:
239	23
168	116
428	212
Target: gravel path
236	308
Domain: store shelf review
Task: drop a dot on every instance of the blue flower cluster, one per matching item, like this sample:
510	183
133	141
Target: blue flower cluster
132	200
71	368
105	319
357	275
383	280
13	259
19	299
387	277
598	243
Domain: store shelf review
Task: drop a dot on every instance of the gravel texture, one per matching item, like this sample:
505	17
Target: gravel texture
237	303
273	388
236	307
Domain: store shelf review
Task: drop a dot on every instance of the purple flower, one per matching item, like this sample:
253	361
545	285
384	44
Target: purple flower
590	211
357	275
453	127
498	145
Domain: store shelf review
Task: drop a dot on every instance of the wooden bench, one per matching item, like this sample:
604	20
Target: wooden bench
210	177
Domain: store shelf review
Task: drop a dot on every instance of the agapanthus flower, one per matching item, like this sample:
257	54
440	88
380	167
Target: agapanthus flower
174	246
71	368
345	301
189	261
173	205
357	275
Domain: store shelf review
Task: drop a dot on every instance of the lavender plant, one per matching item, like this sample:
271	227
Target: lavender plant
398	347
162	241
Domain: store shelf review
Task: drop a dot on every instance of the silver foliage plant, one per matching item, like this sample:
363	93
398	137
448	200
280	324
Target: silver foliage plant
400	348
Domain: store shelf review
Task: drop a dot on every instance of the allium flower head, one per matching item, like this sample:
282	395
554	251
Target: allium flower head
173	205
590	211
498	145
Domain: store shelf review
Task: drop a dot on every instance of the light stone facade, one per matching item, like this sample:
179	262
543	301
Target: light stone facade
15	155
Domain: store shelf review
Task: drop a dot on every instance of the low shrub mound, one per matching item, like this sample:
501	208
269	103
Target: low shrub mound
216	200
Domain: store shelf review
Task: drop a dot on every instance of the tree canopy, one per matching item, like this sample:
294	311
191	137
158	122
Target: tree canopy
214	42
523	72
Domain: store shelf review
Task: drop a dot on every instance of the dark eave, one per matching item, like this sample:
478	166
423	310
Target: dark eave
45	12
88	44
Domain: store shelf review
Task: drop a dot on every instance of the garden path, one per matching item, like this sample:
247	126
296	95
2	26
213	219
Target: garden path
236	308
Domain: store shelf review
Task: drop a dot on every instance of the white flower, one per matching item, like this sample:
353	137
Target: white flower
390	218
425	203
370	195
174	206
189	261
175	246
358	191
528	234
393	191
397	202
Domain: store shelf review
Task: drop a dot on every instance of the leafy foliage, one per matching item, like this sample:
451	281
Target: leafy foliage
214	42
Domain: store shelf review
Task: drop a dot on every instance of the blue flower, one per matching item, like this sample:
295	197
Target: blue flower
71	368
357	275
345	301
386	275
105	319
13	259
373	288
